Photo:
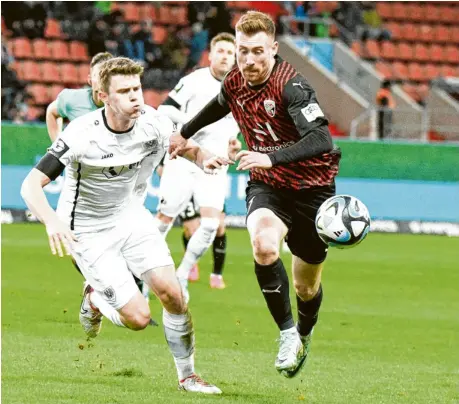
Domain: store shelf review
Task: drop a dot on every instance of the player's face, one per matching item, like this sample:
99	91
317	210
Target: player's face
125	96
255	56
222	58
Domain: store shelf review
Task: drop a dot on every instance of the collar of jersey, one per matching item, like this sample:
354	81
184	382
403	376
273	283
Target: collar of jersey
116	132
260	86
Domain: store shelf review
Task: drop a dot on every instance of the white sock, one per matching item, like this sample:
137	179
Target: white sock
178	329
199	242
108	311
163	227
292	330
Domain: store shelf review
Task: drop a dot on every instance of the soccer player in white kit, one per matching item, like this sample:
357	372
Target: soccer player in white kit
181	179
109	154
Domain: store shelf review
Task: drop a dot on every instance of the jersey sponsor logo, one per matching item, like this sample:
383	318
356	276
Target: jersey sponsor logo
312	112
241	104
272	148
270	107
112	172
110	294
107	156
178	88
269	132
58	148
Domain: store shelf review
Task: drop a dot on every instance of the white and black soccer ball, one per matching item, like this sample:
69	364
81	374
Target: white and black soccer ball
342	221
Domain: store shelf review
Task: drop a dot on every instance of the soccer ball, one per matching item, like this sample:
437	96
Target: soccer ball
342	221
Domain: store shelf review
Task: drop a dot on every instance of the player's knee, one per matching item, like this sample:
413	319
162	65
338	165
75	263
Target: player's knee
304	291
164	219
172	300
265	248
209	226
139	320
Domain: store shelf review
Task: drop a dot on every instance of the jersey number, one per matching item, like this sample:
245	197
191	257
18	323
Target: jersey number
263	133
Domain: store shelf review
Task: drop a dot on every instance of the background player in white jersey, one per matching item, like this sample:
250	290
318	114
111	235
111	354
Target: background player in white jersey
189	96
101	220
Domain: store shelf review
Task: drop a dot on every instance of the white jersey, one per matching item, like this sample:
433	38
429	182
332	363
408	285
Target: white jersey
106	170
192	93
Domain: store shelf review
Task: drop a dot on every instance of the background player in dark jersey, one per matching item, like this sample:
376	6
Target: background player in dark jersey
292	164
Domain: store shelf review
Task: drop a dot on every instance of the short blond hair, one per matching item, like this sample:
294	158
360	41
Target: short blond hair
118	66
100	58
222	36
253	22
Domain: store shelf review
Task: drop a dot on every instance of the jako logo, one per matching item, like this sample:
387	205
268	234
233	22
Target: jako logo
107	156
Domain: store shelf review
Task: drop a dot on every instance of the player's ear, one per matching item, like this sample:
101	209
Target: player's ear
275	48
103	96
89	80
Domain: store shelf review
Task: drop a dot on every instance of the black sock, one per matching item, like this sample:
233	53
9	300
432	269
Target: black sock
308	312
185	240
274	284
219	253
139	283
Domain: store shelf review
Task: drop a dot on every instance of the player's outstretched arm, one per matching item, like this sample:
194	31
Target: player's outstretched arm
212	112
234	147
54	121
203	158
58	232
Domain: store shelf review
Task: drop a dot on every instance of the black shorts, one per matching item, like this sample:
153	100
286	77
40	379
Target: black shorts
298	210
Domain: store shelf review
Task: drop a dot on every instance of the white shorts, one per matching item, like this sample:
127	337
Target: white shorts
182	180
108	258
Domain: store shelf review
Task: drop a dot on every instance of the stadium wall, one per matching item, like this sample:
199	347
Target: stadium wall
399	182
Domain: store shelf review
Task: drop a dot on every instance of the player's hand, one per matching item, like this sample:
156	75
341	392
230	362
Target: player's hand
215	163
60	235
249	159
234	146
176	144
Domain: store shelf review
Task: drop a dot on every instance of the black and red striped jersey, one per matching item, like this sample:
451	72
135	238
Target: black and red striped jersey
276	115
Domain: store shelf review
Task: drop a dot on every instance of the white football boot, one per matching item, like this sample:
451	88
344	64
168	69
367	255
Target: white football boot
195	384
90	317
291	352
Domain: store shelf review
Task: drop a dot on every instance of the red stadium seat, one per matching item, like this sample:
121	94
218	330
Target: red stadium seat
54	91
33	113
431	71
204	61
165	15
448	71
452	54
384	10
410	32
415	12
357	48
31	71
180	15
411	90
69	73
400	11
78	51
405	51
388	51
131	12
41	49
421	53
159	34
384	69
455	34
50	72
448	15
436	53
59	50
39	93
423	91
425	33
432	13
372	49
416	72
83	73
22	48
441	33
53	29
395	30
18	68
400	71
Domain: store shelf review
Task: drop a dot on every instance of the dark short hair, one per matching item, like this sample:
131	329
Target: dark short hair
100	58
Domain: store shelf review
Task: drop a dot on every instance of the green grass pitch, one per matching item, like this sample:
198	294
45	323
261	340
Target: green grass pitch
388	330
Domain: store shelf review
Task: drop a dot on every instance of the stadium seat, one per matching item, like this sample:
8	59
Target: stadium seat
131	12
59	50
432	13
33	113
18	68
400	71
384	10
410	32
180	15
431	71
448	71
436	53
39	93
411	90
455	34
165	15
159	34
441	33
357	48
388	50
384	69
395	30
50	73
448	15
423	91
22	48
204	61
416	72
53	29
242	5
452	54
31	71
41	49
415	12
405	51
83	72
426	33
78	51
400	11
54	91
69	73
372	49
421	53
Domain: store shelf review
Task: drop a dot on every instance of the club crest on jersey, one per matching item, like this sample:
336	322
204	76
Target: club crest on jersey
151	144
270	107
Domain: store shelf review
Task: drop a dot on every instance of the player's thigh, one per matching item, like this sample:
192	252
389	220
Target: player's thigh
145	248
267	212
210	191
190	218
99	258
302	239
175	188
